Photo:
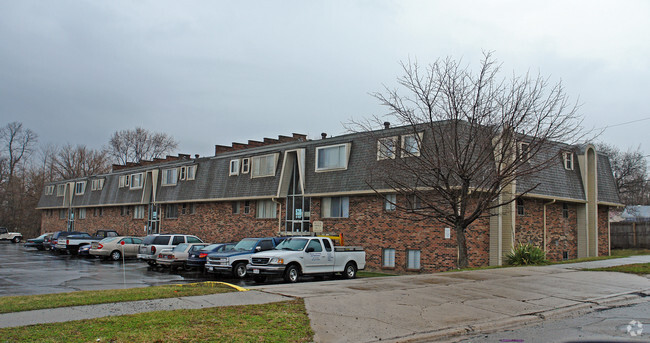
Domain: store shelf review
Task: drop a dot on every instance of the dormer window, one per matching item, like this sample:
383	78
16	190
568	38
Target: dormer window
60	190
334	157
80	188
169	177
125	180
182	173
264	165
411	145
97	185
234	167
191	172
524	150
136	181
568	160
245	165
386	148
49	190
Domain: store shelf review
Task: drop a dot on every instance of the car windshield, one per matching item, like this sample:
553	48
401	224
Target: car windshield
210	247
181	247
107	240
246	244
293	244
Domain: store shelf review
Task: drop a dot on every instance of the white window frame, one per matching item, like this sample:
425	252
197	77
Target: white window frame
567	157
418	141
191	172
60	190
255	163
245	165
413	259
125	181
388	258
344	204
165	178
181	173
382	152
523	154
346	156
266	209
82	213
138	212
390	203
140	178
49	190
83	187
233	167
97	185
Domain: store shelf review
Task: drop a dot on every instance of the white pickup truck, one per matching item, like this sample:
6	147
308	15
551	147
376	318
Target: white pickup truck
298	256
14	237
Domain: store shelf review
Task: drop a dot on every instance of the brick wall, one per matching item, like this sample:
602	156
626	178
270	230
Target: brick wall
561	233
603	230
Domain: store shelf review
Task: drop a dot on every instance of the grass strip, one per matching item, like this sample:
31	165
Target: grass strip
636	268
275	322
43	301
364	274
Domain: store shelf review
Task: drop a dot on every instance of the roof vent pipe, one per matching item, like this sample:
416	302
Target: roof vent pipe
323	135
386	125
196	156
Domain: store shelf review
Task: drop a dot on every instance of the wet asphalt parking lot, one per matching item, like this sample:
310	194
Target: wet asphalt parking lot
25	271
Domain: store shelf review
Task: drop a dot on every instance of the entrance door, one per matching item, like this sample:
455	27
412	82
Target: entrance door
298	206
70	219
153	224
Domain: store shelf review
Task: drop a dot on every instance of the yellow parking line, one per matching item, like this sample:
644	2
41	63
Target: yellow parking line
240	289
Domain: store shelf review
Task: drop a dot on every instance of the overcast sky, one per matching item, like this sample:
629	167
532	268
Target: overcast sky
214	72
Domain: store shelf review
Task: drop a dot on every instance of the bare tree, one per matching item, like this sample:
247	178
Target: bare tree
17	143
630	170
140	144
73	162
460	150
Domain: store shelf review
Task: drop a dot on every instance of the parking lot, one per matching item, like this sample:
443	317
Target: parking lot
25	271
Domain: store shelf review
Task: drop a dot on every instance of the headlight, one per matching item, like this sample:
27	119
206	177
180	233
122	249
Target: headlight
276	260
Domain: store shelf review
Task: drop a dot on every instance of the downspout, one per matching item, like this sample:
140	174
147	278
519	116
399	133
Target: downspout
279	214
548	203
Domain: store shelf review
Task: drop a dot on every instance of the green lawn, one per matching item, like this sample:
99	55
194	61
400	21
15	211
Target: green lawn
637	268
365	274
276	322
37	302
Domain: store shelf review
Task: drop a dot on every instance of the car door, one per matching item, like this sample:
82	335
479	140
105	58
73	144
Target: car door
316	258
135	244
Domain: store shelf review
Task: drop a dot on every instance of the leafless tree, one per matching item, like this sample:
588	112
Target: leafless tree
465	131
17	143
140	144
73	162
630	170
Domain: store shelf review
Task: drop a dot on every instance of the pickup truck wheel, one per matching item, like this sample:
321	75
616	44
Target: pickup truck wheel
350	271
239	270
116	255
16	239
292	274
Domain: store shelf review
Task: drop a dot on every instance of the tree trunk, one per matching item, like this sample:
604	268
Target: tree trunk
462	246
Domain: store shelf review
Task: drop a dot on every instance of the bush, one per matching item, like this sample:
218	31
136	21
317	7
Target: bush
526	254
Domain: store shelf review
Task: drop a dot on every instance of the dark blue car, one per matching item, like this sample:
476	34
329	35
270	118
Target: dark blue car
197	259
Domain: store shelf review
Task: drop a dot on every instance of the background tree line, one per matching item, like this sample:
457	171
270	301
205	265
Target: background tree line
26	167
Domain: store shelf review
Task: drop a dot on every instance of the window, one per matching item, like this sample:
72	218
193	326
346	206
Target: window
265	209
61	214
333	157
263	165
235	207
171	211
125	210
234	167
414	202
520	207
98	211
413	261
388	258
192	239
389	202
191	172
568	161
565	211
182	173
169	177
97	185
138	212
188	208
386	148
49	190
336	207
124	180
82	213
136	181
247	207
245	165
315	244
60	190
328	246
80	187
265	245
178	240
411	145
523	150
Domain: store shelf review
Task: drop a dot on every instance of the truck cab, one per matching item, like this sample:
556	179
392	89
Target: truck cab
235	261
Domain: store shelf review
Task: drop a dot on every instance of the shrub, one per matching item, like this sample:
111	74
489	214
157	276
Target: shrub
526	254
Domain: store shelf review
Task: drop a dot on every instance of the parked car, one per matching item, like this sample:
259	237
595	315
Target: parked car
61	236
14	237
197	258
84	250
73	242
113	247
235	261
177	256
37	242
153	244
298	256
